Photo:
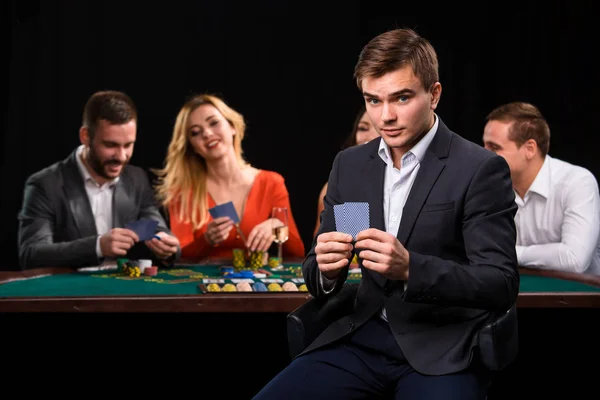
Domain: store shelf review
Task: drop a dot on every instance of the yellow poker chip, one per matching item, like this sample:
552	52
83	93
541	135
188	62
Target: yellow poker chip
213	287
274	287
229	287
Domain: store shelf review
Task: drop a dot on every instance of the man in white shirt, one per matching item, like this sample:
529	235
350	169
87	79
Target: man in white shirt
438	261
74	212
558	221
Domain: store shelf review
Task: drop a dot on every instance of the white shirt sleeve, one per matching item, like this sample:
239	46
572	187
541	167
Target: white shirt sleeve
579	231
98	250
327	284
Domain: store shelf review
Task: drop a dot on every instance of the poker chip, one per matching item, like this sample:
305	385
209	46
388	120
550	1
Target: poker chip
229	287
243	287
256	259
239	258
213	287
274	262
274	287
289	287
259	287
151	271
303	288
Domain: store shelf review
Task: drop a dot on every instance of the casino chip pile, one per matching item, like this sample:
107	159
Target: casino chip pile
256	287
132	269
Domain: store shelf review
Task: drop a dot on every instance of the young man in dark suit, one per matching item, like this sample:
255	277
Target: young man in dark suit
438	260
74	211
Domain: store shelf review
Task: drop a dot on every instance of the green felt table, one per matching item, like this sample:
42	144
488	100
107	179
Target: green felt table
183	288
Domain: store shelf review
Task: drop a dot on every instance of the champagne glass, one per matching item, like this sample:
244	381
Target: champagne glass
279	219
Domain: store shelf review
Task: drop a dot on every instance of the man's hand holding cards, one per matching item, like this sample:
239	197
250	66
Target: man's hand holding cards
334	249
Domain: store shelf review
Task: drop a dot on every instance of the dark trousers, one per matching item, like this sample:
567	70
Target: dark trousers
369	365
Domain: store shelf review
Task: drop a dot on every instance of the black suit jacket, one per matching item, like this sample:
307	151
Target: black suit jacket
56	224
458	226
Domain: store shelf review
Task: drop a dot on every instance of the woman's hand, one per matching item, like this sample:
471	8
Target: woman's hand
261	237
218	230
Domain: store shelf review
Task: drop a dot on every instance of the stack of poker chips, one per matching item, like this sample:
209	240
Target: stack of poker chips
256	259
239	259
274	262
129	269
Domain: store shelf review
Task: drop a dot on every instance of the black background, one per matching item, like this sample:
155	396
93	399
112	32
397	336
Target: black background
287	67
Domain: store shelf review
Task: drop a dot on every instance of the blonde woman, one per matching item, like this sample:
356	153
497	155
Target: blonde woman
205	167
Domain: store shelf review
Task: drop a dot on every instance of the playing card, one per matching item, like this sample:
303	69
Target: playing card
356	217
144	228
225	210
340	218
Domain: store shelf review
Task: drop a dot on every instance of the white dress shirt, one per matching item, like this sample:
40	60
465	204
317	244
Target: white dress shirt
558	221
101	200
396	186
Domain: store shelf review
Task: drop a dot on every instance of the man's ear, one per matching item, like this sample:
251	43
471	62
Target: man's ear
84	136
436	93
531	148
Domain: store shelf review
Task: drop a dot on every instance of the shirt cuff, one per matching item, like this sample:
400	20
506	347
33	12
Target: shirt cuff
520	250
98	250
327	284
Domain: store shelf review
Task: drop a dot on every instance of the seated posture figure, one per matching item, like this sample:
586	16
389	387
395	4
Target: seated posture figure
204	168
74	212
438	261
558	221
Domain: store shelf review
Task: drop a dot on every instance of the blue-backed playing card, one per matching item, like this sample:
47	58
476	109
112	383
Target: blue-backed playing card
340	219
356	217
225	210
144	228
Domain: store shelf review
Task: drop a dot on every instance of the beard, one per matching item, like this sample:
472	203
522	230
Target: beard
99	166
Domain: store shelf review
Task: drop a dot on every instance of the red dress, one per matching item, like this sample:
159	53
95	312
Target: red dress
268	190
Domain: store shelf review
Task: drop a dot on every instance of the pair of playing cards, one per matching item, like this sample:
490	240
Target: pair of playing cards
351	217
144	228
225	210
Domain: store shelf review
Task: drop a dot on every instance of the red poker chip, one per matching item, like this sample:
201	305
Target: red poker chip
151	271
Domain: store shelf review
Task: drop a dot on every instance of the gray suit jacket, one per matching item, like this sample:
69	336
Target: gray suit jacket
458	226
56	224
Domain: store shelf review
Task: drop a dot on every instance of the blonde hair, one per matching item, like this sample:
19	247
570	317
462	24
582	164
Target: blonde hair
182	181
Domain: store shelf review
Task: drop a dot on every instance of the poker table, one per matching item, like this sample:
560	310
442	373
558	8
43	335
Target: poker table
184	288
77	316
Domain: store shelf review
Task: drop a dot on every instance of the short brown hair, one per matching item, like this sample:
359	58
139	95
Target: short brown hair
529	123
111	105
393	50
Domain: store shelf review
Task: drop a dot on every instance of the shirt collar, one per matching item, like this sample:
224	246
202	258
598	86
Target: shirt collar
541	183
87	177
418	150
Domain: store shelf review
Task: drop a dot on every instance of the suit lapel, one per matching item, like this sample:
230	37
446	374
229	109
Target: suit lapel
429	171
374	175
123	204
79	203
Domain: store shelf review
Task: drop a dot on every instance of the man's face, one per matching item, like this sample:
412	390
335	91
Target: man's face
496	139
399	107
111	148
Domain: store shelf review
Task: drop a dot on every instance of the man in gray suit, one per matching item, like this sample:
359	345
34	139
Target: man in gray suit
438	261
74	211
